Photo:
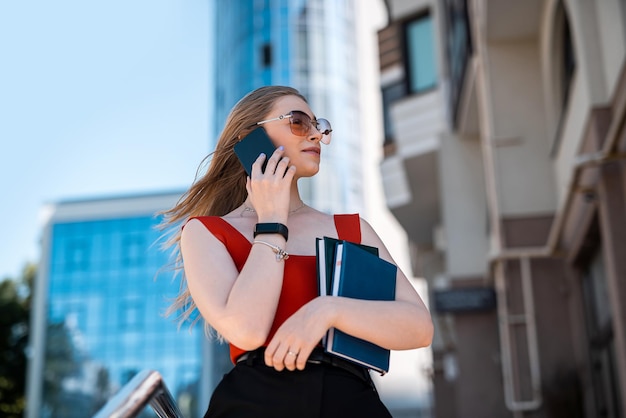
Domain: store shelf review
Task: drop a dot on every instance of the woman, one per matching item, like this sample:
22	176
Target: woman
260	292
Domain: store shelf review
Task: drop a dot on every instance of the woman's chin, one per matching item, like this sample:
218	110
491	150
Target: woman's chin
308	171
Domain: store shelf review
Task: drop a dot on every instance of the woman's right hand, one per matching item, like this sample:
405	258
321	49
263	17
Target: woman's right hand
295	339
269	191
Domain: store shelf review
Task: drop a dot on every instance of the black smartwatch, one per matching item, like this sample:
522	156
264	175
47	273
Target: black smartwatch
271	228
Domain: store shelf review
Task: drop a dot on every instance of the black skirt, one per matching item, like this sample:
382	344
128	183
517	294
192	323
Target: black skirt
320	390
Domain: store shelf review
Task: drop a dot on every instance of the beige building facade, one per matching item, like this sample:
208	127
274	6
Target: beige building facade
505	146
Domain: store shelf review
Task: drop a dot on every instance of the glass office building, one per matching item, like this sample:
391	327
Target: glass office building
99	310
310	45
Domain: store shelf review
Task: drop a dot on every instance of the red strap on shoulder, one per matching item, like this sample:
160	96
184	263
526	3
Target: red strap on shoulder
348	227
236	244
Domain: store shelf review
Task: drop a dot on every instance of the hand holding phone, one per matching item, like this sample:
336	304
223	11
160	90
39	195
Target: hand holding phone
251	146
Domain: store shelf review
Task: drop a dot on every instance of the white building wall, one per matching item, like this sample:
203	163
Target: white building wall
522	145
612	35
464	207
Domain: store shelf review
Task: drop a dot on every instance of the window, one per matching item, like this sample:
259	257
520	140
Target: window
133	250
563	70
390	94
266	55
458	50
77	254
420	54
131	315
568	64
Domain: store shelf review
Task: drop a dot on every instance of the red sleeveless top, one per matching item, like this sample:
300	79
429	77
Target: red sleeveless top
300	276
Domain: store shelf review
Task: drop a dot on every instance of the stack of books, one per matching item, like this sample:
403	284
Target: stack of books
354	271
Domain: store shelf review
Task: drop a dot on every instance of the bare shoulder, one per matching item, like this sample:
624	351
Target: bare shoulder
194	231
201	249
366	228
192	227
197	235
369	235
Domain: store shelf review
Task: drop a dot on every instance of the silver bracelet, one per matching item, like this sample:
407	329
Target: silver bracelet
280	253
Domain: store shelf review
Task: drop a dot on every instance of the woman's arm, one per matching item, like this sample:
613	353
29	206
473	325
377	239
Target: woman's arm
397	325
240	306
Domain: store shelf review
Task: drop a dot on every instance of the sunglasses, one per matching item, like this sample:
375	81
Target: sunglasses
300	124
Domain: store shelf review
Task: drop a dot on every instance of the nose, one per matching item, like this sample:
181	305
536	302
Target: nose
314	133
316	137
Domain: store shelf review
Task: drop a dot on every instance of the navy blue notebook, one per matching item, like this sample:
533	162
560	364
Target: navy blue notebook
361	275
325	252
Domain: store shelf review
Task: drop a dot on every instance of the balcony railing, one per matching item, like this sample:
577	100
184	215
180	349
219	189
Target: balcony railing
147	387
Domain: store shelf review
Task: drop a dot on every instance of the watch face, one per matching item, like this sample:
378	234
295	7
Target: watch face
271	228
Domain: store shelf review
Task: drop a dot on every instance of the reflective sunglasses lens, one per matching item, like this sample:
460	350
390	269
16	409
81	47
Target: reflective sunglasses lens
300	123
324	126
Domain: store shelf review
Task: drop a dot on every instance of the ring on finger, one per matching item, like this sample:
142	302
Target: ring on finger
292	353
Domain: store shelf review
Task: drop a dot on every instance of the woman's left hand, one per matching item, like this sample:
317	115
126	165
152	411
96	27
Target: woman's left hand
296	338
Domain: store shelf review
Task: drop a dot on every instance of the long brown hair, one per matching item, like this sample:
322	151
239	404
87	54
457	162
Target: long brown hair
222	188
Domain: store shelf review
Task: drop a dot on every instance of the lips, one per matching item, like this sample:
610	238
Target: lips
313	150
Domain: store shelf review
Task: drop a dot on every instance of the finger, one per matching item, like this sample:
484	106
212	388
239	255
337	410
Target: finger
279	358
276	358
282	166
290	173
303	356
274	160
257	165
278	152
291	358
269	355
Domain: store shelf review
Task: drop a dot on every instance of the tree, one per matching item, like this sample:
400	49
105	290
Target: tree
15	298
61	362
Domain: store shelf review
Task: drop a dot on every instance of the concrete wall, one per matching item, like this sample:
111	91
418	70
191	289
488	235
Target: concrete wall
523	166
464	206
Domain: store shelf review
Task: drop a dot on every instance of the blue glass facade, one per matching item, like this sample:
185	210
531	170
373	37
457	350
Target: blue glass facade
252	49
105	317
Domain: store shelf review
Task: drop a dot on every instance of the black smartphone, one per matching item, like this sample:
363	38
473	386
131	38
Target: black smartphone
251	146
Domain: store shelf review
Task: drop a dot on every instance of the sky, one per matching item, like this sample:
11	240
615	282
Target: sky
97	98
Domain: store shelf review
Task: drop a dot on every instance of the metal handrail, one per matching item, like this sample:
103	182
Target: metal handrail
147	387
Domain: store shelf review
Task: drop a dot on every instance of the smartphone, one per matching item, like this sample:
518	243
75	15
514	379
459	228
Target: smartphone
251	146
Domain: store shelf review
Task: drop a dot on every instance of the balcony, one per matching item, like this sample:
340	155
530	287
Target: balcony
411	175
